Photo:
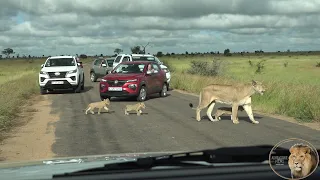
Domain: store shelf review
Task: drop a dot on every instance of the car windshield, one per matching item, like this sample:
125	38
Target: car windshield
142	58
60	62
129	68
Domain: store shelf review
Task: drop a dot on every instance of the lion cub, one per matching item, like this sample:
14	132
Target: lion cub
102	104
135	107
225	110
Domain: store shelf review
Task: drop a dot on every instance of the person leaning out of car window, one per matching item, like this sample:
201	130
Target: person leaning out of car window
150	68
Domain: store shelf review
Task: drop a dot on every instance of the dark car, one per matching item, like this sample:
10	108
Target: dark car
134	79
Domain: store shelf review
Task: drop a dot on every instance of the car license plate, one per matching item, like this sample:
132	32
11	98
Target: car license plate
57	82
115	88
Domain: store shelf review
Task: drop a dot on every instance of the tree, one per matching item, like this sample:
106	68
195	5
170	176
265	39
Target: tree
101	55
136	50
144	48
227	52
159	54
118	51
8	51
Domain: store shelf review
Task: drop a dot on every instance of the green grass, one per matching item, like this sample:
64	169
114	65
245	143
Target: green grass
292	90
18	82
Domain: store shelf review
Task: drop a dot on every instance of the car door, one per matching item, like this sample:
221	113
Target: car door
104	69
157	78
150	81
96	68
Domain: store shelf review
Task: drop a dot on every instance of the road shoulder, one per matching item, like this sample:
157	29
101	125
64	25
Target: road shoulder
32	140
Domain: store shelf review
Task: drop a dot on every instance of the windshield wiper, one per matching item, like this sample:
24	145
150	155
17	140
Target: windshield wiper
251	154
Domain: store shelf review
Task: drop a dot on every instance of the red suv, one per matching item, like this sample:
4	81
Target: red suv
134	79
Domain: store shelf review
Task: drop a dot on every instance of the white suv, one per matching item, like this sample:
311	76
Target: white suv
61	72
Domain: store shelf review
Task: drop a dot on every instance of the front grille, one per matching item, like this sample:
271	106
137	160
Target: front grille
119	84
61	75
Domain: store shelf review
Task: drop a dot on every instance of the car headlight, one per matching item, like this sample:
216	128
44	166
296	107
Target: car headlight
165	70
43	73
73	71
132	80
103	80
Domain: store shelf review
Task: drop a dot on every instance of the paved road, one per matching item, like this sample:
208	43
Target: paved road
168	125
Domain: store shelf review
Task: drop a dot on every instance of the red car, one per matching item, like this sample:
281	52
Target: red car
134	79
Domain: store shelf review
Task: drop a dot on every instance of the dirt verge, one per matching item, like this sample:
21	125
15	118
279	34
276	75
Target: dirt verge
315	126
33	139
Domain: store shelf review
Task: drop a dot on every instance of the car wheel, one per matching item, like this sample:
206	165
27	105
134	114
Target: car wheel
78	88
142	94
82	86
93	77
43	91
163	92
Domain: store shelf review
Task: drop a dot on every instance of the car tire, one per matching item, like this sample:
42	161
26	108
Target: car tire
93	77
164	90
82	86
78	88
43	91
142	94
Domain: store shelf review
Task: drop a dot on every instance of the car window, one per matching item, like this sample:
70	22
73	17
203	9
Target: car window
125	59
110	62
142	58
155	67
97	62
60	62
117	59
129	68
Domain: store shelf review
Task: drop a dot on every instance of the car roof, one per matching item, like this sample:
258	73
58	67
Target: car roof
144	55
58	57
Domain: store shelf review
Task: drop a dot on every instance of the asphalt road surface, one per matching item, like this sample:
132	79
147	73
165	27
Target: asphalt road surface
168	124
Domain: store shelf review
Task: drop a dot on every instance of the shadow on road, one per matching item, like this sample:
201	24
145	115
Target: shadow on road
134	99
70	91
227	118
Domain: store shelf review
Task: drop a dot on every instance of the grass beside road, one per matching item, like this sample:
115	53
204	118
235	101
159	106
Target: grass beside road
292	82
18	82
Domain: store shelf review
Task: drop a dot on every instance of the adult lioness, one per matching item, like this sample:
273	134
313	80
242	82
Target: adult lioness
234	95
99	105
302	160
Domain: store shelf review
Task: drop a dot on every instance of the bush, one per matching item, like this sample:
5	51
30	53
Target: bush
205	68
169	65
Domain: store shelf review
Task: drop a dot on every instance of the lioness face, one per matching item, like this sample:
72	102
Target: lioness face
258	87
298	157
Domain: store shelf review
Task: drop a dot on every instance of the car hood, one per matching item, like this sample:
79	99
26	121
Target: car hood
58	69
44	169
116	76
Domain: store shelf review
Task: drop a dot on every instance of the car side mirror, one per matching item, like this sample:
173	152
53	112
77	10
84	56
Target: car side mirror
103	65
42	65
80	64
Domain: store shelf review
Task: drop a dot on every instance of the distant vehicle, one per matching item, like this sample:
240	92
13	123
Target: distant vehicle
133	79
61	72
143	57
100	67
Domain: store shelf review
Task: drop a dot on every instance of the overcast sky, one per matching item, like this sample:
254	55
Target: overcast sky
53	27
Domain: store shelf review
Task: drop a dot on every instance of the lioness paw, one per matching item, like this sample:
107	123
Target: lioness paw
255	122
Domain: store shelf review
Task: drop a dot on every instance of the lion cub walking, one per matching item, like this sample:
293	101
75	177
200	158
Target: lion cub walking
225	110
135	107
102	104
